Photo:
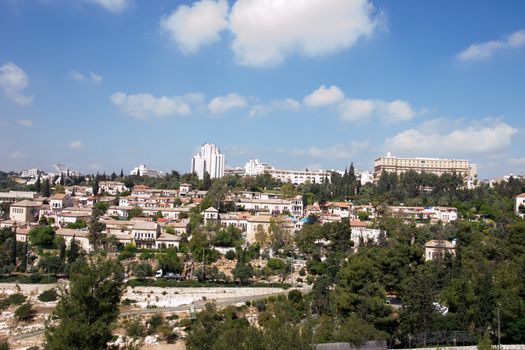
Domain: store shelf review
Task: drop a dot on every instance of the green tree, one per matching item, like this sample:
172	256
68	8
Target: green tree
46	189
169	261
25	312
88	309
42	236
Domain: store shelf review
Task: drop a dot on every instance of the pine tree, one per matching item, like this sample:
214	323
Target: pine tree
73	252
46	190
88	309
121	173
38	184
95	186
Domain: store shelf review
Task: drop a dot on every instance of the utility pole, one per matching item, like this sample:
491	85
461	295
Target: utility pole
499	329
203	275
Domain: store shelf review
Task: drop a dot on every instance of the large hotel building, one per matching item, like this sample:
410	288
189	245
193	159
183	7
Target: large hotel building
436	166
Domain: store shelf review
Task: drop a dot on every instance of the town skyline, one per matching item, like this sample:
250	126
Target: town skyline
130	83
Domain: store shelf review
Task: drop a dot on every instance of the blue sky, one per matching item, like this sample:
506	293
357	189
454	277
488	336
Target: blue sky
108	84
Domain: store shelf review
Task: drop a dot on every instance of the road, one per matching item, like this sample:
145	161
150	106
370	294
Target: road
197	305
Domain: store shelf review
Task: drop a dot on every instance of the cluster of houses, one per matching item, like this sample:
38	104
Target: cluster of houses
163	217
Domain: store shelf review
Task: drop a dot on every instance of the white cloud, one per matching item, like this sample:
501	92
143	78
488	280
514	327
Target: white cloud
488	136
287	104
324	96
13	80
115	6
358	110
487	49
76	75
198	25
17	155
266	32
337	151
222	104
25	122
95	77
76	144
145	106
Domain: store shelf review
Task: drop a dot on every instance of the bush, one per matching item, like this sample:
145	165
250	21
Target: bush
276	265
4	345
230	255
135	329
16	299
48	295
154	322
146	256
125	255
24	312
302	272
127	302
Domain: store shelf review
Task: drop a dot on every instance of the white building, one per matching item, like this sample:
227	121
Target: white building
209	159
253	167
298	177
112	187
520	205
60	201
142	170
31	173
438	166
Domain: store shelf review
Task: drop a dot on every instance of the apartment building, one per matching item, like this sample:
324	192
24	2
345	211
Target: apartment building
209	159
438	166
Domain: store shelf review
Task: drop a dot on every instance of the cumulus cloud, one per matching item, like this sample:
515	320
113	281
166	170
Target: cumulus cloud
146	106
287	104
13	81
266	32
25	122
222	104
324	96
115	6
76	144
337	151
487	49
359	110
198	25
485	137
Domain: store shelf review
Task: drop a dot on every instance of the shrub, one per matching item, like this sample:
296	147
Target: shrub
16	299
146	256
302	272
4	345
135	329
125	255
276	265
154	322
24	312
127	302
230	255
48	295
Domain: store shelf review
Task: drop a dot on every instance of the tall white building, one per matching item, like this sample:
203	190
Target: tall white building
209	159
